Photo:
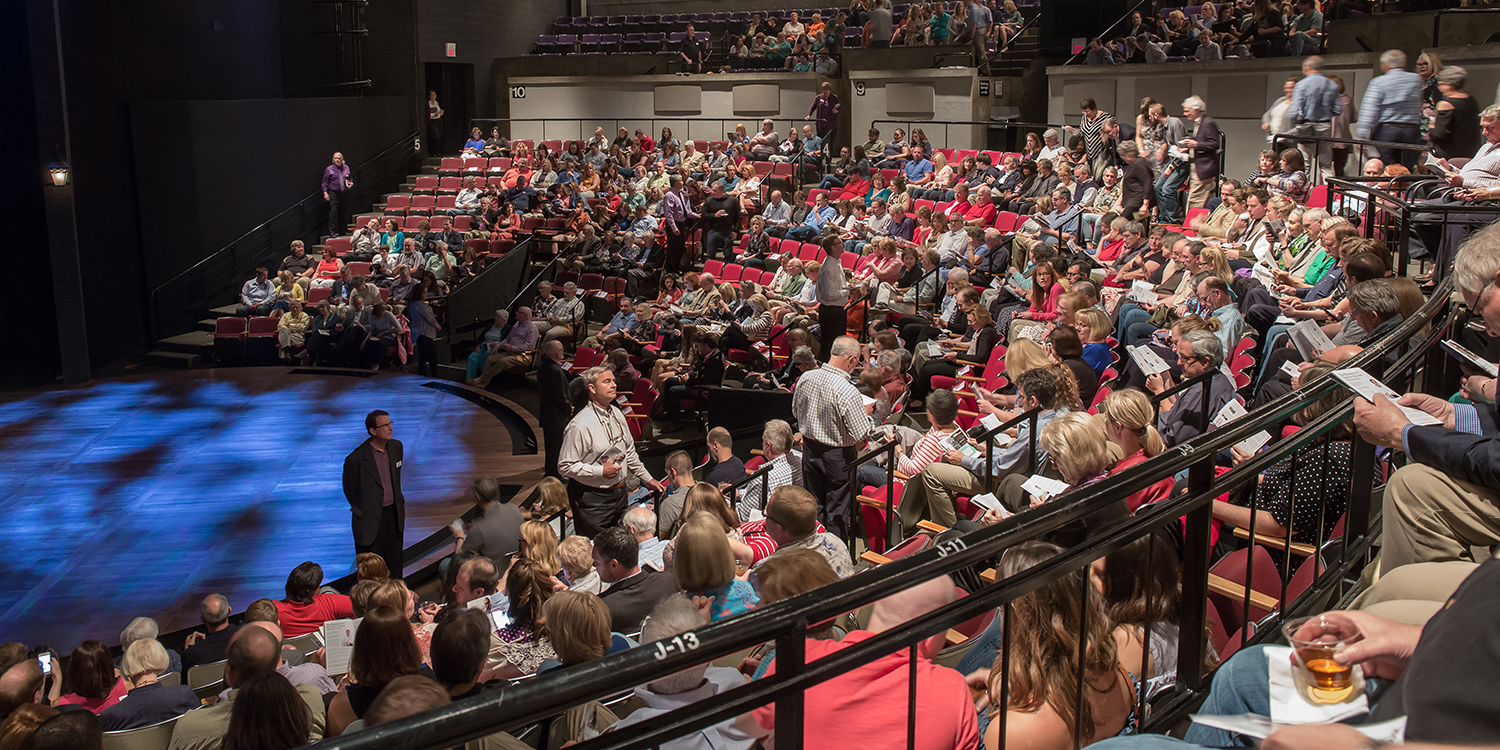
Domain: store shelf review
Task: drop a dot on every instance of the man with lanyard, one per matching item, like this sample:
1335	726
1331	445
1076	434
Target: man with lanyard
596	448
832	294
335	182
1315	102
677	212
834	422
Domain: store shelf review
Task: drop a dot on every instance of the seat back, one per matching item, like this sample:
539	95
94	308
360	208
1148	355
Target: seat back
1263	576
206	679
262	326
233	326
154	737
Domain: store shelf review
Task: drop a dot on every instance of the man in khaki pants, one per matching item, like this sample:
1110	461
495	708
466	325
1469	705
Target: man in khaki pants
1447	501
1204	146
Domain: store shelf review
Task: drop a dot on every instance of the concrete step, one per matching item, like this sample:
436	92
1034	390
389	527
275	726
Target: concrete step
227	311
208	324
193	342
175	360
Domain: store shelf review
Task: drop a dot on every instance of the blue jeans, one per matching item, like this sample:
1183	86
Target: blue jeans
1166	193
855	246
872	474
986	647
802	233
829	182
1273	339
1129	315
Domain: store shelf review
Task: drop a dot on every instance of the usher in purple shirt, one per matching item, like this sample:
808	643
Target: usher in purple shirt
335	177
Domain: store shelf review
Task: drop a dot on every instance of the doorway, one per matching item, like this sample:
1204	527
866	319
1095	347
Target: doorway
454	84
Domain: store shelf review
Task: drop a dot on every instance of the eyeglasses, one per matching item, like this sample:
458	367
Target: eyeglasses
385	426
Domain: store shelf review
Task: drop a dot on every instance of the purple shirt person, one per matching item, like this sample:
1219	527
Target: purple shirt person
335	182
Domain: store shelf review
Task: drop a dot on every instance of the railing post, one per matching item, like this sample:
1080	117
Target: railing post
1194	645
791	660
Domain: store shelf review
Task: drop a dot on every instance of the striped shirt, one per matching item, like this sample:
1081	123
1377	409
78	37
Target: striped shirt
930	448
1093	133
829	409
1393	98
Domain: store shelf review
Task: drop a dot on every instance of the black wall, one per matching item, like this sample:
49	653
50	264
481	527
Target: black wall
196	187
481	31
245	162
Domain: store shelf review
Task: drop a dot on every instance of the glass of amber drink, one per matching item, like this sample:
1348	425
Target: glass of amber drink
1315	640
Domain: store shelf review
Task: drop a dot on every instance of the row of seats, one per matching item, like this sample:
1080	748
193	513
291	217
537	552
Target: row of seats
608	44
665	22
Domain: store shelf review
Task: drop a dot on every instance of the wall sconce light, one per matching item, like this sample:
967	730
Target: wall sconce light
59	172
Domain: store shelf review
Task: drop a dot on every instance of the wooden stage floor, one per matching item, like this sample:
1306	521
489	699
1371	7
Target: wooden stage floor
130	497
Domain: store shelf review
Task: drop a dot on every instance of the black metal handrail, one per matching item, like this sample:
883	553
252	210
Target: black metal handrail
187	301
887	449
1019	32
1102	34
787	622
1315	171
1437	19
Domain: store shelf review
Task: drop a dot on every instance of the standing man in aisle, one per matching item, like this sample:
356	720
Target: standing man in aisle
832	294
596	451
372	485
675	208
1315	102
335	182
1204	146
552	386
833	419
1391	111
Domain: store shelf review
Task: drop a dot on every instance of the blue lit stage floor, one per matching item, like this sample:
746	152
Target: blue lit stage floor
134	497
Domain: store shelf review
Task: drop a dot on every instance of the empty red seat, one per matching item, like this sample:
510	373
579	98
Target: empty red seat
337	246
499	164
317	294
462	223
451	165
359	268
396	205
229	339
426	185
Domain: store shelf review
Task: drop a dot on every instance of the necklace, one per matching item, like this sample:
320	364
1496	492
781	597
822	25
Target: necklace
612	431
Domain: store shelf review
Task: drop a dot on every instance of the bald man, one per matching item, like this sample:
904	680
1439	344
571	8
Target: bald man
867	706
253	650
22	684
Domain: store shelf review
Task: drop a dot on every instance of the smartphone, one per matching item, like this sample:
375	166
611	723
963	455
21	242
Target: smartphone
45	659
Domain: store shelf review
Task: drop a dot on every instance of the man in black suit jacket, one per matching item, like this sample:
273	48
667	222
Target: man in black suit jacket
372	485
1447	501
1204	146
1136	193
556	409
632	592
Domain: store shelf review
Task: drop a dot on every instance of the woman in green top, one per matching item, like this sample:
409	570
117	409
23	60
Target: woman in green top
1334	231
878	188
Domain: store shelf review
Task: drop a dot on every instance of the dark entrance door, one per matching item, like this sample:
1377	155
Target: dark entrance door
454	84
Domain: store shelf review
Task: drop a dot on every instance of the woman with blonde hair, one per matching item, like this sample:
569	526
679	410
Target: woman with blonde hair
1130	423
1022	356
1078	449
1093	330
539	544
704	565
577	627
1050	628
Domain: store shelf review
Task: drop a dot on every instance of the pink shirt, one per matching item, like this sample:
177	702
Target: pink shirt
1048	310
95	705
866	707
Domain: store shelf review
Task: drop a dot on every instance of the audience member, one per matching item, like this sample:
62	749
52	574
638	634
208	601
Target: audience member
254	652
208	646
305	609
632	591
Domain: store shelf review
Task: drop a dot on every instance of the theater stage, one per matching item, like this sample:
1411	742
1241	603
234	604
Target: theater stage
138	496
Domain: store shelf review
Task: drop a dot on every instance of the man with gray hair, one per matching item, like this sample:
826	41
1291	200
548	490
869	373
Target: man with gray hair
1315	102
597	453
496	533
1446	501
1051	147
674	616
515	350
641	523
1181	417
776	445
1392	109
207	646
560	316
1478	180
834	421
1204	147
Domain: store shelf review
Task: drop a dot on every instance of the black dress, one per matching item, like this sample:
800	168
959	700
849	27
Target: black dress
1456	134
